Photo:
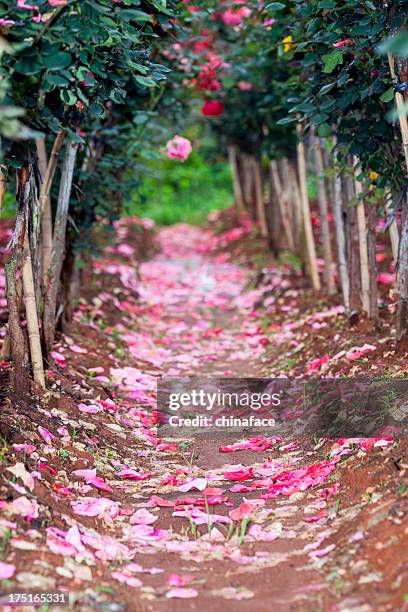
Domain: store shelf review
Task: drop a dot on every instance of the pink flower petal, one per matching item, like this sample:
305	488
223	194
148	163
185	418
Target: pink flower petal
180	593
6	570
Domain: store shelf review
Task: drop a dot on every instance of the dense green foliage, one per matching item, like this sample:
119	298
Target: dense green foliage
89	69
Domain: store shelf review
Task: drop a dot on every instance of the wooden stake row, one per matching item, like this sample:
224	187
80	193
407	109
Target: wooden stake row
355	224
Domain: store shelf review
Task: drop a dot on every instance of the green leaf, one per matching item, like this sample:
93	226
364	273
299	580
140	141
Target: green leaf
332	60
133	14
304	107
60	60
140	118
96	109
286	121
117	95
27	66
324	130
82	73
57	79
68	97
388	95
275	6
145	81
326	88
161	6
319	118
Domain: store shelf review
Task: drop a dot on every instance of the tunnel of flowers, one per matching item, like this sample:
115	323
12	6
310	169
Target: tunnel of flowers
198	196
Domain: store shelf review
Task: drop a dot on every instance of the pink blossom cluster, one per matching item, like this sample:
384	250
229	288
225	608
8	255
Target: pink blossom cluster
178	148
234	17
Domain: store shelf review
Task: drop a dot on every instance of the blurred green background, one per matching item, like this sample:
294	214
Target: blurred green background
172	191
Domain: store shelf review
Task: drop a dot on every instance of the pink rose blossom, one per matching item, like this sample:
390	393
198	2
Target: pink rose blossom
178	148
234	18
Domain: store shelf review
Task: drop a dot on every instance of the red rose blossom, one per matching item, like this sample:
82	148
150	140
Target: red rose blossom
212	108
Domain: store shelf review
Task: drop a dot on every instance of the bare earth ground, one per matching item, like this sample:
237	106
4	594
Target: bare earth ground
328	529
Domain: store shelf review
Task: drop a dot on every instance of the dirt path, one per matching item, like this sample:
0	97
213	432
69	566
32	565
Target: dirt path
108	510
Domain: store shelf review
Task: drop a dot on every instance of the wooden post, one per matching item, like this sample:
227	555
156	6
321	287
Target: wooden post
47	171
31	315
274	217
6	348
259	197
323	206
45	211
340	235
282	197
58	245
297	203
372	261
327	167
248	180
17	341
236	182
352	240
310	243
362	238
393	227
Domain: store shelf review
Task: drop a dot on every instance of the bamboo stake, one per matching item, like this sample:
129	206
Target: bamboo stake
362	237
402	259
31	315
352	241
310	243
326	166
283	167
372	262
247	176
46	217
323	206
236	183
340	236
50	171
275	224
393	227
47	171
297	202
259	197
283	204
58	246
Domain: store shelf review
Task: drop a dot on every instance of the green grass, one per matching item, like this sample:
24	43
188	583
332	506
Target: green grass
182	192
8	210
